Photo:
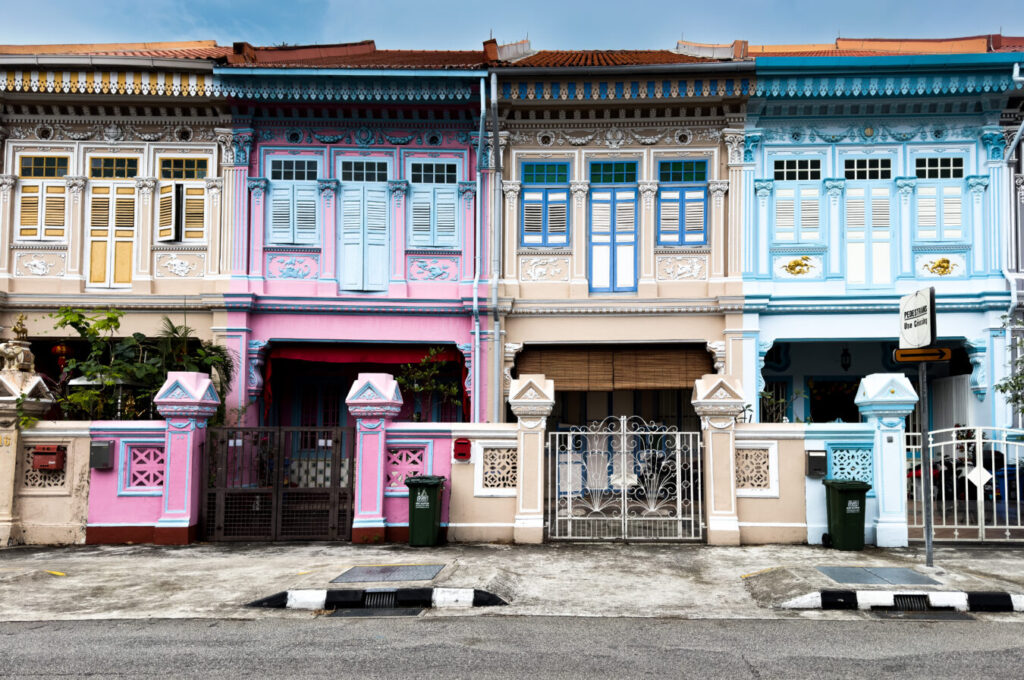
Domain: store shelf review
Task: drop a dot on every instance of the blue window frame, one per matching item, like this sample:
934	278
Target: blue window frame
940	209
682	203
545	209
613	228
294	203
797	200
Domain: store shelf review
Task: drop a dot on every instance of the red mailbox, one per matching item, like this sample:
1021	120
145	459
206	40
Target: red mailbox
462	450
48	457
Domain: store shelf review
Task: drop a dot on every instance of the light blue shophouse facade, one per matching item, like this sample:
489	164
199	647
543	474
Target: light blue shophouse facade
871	177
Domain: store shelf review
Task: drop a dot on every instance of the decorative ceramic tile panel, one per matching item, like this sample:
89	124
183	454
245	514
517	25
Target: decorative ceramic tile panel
753	469
500	468
850	462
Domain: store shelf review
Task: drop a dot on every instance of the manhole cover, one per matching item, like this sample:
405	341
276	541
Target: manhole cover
377	573
881	576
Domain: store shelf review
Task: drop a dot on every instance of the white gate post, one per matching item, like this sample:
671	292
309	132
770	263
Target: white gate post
885	399
531	398
718	400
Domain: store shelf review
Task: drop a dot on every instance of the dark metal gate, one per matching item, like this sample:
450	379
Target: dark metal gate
278	484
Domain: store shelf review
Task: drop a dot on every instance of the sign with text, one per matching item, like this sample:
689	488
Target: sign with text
917	319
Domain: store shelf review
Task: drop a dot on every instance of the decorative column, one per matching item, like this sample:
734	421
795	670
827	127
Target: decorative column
214	187
18	381
398	191
741	175
647	286
980	244
374	400
257	189
885	399
905	187
716	192
718	400
8	183
235	146
76	232
759	260
996	203
510	190
531	397
142	279
467	196
186	400
834	188
327	279
579	286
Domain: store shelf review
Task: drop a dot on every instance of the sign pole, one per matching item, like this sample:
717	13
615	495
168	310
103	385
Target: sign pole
926	461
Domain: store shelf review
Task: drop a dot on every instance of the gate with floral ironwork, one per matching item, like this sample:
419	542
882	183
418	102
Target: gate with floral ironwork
278	483
624	478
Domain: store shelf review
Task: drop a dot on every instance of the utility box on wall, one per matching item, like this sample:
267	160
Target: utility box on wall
462	450
48	457
101	455
817	463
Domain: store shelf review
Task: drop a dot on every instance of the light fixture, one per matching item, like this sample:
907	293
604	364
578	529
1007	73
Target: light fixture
845	359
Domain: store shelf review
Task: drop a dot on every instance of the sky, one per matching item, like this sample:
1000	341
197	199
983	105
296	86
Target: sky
462	24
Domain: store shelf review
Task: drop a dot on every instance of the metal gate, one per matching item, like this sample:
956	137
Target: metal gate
624	478
976	484
278	483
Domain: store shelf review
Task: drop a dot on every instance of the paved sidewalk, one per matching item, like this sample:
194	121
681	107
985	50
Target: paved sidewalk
691	581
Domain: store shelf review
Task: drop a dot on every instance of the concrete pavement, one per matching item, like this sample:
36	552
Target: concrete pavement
688	581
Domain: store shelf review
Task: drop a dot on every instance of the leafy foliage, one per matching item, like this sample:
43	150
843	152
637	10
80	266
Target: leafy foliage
1012	386
427	378
123	373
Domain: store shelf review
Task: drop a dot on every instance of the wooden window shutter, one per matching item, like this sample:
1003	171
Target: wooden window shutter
601	213
280	214
124	209
351	237
927	212
952	212
558	217
625	212
419	229
99	208
194	213
785	215
55	211
446	222
28	206
668	216
305	214
855	209
533	217
810	213
880	208
376	258
167	224
695	217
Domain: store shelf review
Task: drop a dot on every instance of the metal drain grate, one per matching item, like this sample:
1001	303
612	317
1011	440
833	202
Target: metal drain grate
379	599
910	603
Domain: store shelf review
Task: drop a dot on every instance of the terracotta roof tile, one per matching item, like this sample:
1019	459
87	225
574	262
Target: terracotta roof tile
353	55
554	58
198	49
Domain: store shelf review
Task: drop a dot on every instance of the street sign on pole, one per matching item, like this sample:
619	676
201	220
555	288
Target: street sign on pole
914	356
917	319
917	335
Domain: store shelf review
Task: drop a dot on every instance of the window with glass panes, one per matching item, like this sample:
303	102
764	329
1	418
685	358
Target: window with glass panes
363	219
183	168
293	203
113	168
433	204
181	200
868	220
939	197
545	204
797	196
41	212
682	203
617	172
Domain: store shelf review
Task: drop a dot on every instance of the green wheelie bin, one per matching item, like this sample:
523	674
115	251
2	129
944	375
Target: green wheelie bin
845	499
424	509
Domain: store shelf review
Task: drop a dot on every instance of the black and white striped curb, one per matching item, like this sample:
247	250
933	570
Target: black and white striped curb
961	601
359	599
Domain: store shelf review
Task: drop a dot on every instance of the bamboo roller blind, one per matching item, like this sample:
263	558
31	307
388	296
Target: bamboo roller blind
602	370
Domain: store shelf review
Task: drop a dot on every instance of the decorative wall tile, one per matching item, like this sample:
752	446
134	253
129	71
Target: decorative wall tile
32	264
500	469
940	265
544	268
753	469
301	266
682	267
798	267
180	265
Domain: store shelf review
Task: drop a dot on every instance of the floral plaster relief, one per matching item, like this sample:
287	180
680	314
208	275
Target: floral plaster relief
40	264
292	266
544	268
434	269
180	265
682	267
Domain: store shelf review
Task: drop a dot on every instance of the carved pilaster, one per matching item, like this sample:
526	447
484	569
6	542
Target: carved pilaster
906	186
734	140
467	190
579	192
398	189
257	185
648	190
977	184
328	188
7	184
214	185
511	189
717	188
834	187
764	187
145	187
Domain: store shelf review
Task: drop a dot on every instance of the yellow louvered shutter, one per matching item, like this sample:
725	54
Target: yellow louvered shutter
28	222
99	222
55	212
124	234
166	214
195	212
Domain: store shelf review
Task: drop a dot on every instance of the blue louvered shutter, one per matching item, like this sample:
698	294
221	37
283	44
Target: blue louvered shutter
446	233
351	237
306	198
279	215
420	214
376	238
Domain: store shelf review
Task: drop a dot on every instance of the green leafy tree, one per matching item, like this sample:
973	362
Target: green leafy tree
1012	386
428	378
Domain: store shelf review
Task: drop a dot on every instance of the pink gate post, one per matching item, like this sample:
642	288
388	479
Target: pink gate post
374	401
186	400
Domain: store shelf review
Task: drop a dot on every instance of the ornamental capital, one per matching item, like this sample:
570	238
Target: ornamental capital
905	185
328	187
834	187
764	187
648	189
511	189
734	140
467	190
145	186
257	185
214	185
977	184
75	184
235	145
751	141
994	141
7	183
718	187
398	189
1018	182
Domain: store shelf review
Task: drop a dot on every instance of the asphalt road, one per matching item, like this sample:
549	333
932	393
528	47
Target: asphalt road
511	647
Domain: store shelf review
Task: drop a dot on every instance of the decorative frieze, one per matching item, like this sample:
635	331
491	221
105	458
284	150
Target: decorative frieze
433	268
112	131
615	136
682	267
179	265
940	265
297	266
39	264
544	268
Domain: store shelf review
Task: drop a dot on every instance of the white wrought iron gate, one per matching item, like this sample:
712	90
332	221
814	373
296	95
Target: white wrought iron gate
624	478
976	484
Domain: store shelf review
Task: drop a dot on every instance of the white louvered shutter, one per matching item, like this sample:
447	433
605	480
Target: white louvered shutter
810	214
558	217
668	216
952	212
167	213
421	203
881	236
54	211
533	217
279	214
927	212
601	239
696	207
856	239
445	222
376	258
351	199
785	215
306	199
625	239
